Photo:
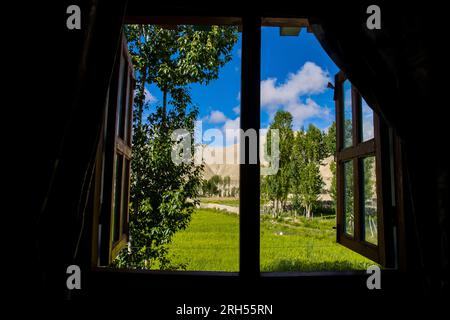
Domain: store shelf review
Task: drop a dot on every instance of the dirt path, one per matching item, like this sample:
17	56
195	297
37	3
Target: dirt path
219	207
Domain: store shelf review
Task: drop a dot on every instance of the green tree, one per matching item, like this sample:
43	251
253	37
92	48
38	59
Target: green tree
226	185
307	154
205	191
173	59
315	148
159	202
348	133
348	197
310	187
234	191
214	184
277	186
369	177
329	139
164	194
370	205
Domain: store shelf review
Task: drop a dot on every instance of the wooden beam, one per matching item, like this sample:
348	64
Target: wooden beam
183	20
285	22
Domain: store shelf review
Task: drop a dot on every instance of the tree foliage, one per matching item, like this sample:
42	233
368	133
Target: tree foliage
329	140
277	186
307	154
298	180
174	58
218	186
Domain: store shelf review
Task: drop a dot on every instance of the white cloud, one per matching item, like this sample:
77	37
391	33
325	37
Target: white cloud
217	116
149	98
232	123
230	131
301	111
348	98
237	109
310	79
368	132
367	115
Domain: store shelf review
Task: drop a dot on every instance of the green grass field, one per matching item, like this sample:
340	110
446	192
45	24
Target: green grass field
211	243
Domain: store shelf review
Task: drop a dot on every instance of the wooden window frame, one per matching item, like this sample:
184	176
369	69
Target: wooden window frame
249	252
114	146
359	150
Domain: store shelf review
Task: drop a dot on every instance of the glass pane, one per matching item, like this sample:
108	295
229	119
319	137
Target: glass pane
117	196
366	121
348	198
370	200
348	136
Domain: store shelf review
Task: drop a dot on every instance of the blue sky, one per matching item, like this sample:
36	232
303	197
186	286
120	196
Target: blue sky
294	75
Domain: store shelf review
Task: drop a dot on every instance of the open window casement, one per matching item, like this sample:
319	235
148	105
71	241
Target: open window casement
114	159
362	176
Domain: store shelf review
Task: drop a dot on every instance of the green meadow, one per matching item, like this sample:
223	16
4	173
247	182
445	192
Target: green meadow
211	243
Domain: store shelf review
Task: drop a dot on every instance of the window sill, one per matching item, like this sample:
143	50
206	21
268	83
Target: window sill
223	274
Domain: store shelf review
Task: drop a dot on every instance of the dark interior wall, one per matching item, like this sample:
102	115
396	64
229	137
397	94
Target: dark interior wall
393	69
52	69
76	66
65	120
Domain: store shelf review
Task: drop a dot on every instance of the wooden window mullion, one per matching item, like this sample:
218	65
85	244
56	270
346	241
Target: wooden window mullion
122	191
339	100
338	97
357	198
128	140
114	219
356	117
383	192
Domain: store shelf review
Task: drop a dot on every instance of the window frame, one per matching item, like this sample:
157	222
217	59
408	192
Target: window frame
249	174
114	147
356	153
123	149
